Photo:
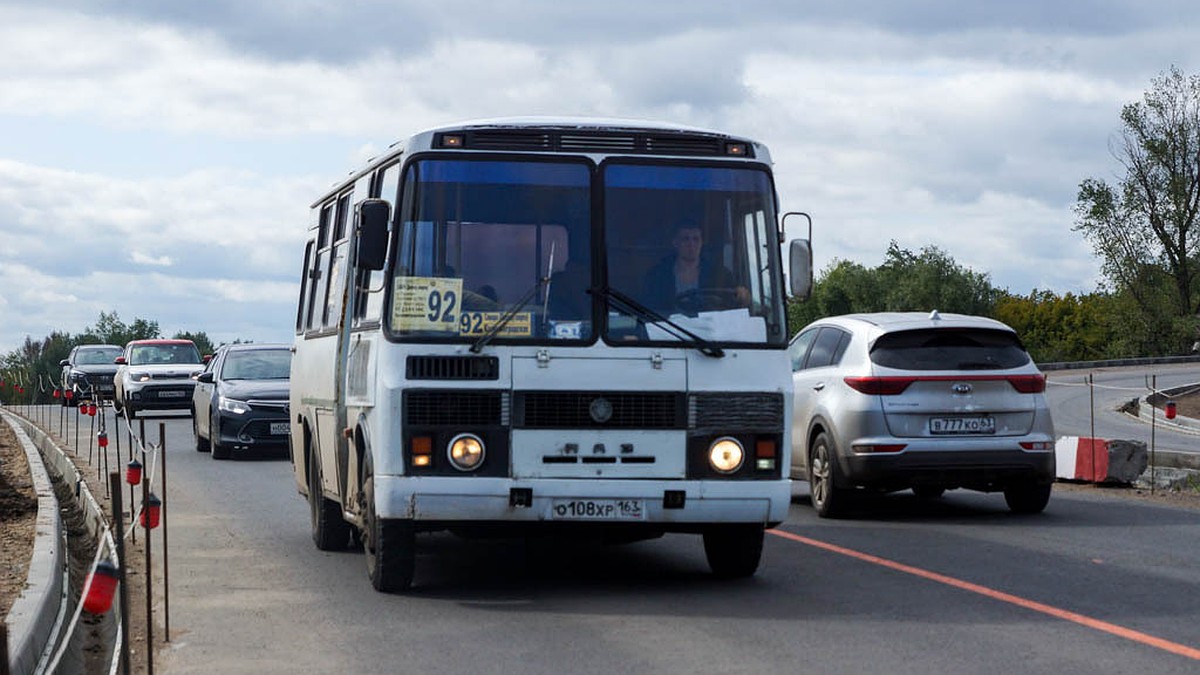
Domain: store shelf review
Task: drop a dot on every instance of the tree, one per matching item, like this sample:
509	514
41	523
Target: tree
204	344
109	329
906	281
1145	228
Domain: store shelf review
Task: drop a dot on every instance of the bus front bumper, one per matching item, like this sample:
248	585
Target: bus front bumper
668	505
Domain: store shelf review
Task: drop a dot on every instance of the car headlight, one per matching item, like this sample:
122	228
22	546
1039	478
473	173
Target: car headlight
78	375
726	455
466	452
139	377
233	405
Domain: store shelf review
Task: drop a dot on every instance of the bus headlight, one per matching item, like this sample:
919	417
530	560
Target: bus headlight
726	454
466	452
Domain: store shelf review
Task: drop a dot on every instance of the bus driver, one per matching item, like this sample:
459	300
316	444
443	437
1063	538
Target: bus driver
685	281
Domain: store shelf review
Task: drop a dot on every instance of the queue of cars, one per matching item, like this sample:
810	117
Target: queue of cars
882	402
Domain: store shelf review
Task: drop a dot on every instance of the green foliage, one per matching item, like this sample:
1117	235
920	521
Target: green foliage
109	329
1061	328
1146	228
204	344
906	281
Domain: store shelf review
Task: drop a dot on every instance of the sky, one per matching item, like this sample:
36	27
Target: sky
158	159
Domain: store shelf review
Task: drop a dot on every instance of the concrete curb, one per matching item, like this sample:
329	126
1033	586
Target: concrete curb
36	618
54	459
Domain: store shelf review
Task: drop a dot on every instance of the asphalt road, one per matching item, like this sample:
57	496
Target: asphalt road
1096	584
1077	408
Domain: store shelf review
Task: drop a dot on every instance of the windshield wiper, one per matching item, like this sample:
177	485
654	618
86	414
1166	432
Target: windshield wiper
646	314
508	316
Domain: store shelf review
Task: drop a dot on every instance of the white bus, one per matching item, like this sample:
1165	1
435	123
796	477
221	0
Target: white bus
535	327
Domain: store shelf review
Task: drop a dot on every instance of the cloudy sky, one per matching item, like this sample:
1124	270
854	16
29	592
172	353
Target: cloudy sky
158	158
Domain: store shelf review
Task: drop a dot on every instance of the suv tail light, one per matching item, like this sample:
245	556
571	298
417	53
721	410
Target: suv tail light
882	386
1028	384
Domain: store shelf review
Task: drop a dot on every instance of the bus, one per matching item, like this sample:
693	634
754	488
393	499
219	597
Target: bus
547	327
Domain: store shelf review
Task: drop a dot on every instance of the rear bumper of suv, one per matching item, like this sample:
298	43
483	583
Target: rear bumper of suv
979	468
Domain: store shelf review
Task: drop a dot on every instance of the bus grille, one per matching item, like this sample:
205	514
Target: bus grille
584	140
441	407
732	411
453	368
588	410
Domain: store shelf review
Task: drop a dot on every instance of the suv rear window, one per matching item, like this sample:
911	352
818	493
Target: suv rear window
949	349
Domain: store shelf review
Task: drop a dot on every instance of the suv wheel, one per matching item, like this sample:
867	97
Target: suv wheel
823	476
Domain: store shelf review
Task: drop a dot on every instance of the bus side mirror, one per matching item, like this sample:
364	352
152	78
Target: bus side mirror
371	247
800	272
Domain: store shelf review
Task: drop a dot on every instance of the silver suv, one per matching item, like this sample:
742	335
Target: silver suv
928	402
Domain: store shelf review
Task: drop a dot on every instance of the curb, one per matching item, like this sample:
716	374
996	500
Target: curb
50	457
36	618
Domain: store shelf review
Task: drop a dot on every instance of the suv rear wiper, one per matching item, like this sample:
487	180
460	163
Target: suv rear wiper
646	314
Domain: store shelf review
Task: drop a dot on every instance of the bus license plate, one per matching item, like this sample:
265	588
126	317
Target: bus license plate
598	509
279	428
962	425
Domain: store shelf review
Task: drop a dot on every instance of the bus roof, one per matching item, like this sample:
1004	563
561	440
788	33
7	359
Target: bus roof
425	139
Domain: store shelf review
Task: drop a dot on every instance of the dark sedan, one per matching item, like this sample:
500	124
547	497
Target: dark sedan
88	372
240	403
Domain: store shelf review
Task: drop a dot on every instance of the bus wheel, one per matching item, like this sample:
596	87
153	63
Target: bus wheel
330	532
390	545
733	551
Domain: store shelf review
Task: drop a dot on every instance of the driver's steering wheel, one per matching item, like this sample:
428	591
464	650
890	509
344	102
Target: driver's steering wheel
699	299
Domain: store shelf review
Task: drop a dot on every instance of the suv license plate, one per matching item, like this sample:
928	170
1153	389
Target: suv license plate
962	425
279	428
597	509
172	394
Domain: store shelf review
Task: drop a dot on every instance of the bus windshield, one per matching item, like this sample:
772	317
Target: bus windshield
503	247
697	246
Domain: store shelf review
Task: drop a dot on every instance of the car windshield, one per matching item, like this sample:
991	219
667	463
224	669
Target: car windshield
257	364
98	356
697	245
949	349
482	238
166	354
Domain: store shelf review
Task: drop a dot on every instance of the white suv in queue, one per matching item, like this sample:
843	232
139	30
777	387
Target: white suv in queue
156	375
927	402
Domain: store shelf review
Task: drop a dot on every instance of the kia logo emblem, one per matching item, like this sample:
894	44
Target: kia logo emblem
962	388
601	410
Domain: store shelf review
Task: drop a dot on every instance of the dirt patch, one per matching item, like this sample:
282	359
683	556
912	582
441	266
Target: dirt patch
18	518
1186	405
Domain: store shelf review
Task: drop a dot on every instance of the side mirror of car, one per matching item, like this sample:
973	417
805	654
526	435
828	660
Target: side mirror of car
64	363
371	245
800	272
206	378
120	360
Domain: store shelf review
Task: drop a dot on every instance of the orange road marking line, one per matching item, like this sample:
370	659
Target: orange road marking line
1096	624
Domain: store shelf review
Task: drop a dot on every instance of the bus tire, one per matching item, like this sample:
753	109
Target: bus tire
390	546
330	532
733	551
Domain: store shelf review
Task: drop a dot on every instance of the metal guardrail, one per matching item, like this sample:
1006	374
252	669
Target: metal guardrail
1117	363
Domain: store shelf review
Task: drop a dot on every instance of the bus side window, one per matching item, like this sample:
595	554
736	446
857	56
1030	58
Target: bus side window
305	279
318	273
337	264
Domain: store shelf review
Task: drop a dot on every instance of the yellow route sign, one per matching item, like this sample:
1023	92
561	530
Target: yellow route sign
426	304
